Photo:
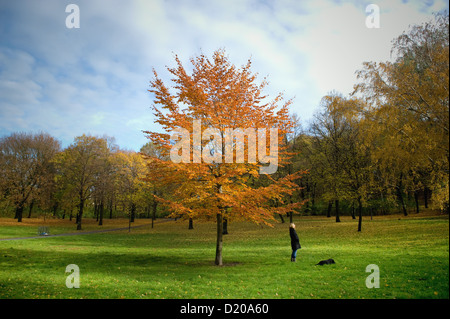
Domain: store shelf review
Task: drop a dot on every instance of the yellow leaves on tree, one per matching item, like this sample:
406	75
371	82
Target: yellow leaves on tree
215	99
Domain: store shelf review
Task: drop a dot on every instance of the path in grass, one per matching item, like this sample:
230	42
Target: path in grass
83	233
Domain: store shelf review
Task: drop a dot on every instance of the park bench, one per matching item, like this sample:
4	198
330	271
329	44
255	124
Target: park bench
43	231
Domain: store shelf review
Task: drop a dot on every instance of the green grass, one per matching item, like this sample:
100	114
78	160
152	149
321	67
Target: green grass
171	261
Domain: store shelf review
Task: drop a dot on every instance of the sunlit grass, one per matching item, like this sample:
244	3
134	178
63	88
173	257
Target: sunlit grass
170	261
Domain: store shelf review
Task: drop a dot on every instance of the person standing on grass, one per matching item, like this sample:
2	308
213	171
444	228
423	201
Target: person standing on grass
295	242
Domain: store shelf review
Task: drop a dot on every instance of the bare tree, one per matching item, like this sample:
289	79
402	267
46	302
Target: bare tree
25	165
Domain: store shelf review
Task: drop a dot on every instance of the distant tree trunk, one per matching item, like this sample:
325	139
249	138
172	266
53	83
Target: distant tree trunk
154	206
30	209
19	212
359	214
330	205
110	208
133	212
402	201
96	207
313	195
129	223
291	215
281	216
219	243
353	211
302	191
55	209
425	196
337	210
225	226
400	195
416	199
191	224
100	212
80	214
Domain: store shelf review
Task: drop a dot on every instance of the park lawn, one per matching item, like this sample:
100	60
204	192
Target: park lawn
170	261
10	228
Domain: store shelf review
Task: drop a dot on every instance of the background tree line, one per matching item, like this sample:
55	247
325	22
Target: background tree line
91	175
383	149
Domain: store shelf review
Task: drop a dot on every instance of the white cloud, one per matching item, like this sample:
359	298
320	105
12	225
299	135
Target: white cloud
95	79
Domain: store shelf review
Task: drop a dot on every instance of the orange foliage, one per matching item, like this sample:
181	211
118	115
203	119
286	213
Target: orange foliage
222	97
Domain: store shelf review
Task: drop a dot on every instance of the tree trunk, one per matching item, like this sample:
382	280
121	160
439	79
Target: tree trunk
402	202
416	199
291	215
19	212
353	211
55	209
129	223
191	224
96	211
400	195
155	205
110	208
133	212
313	194
100	212
80	214
425	196
225	226
282	218
337	210
359	214
31	209
330	205
219	243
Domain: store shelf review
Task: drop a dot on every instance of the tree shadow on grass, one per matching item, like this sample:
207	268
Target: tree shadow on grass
26	273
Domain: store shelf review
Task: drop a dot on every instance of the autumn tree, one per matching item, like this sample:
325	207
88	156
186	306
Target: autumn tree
104	185
294	164
355	151
409	100
150	150
80	166
131	171
25	165
330	130
221	115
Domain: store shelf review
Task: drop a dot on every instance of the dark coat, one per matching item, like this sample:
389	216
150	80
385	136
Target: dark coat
295	242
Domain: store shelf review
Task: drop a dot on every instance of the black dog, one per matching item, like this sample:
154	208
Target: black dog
326	262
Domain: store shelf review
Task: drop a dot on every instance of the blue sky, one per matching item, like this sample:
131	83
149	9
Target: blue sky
94	79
